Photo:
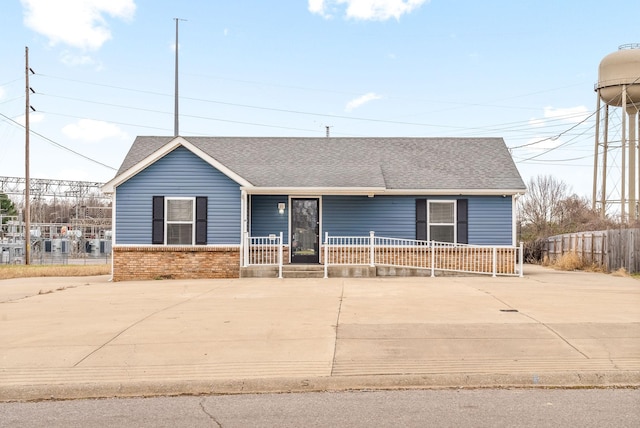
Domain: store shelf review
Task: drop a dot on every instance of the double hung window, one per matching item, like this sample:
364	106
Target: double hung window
179	220
442	221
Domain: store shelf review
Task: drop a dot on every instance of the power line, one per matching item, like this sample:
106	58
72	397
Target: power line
58	144
555	137
458	104
490	128
557	147
484	129
511	127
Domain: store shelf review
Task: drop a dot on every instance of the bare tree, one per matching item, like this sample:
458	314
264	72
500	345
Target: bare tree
547	209
540	209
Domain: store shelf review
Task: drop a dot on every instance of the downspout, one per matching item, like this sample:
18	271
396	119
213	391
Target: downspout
243	225
113	231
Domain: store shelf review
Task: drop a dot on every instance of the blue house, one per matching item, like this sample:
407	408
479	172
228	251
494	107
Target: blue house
183	206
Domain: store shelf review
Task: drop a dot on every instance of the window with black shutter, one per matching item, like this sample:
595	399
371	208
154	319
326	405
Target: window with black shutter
442	220
179	220
462	226
201	220
157	232
421	220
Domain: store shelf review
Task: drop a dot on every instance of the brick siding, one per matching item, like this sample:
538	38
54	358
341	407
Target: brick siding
175	262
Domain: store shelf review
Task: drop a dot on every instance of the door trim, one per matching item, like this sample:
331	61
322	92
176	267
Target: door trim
290	212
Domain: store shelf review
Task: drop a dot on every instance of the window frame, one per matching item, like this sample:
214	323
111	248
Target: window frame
167	222
454	224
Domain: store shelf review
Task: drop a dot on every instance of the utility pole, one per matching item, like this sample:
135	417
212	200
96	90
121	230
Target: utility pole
176	128
27	196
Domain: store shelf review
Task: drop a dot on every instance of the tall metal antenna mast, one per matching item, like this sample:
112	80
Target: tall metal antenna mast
176	129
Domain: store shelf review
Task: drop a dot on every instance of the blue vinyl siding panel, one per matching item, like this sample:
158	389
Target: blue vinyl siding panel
390	216
179	173
265	218
490	220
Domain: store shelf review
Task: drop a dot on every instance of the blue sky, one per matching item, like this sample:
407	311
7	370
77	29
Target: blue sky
521	70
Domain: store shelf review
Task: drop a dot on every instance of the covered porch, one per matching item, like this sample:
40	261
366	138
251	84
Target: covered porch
368	256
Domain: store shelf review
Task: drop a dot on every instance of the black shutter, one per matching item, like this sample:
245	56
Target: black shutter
157	232
421	219
463	221
201	220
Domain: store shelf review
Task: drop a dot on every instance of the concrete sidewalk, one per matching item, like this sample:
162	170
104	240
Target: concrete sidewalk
88	337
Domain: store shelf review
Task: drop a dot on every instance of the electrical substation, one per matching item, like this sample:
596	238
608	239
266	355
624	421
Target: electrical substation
70	222
616	180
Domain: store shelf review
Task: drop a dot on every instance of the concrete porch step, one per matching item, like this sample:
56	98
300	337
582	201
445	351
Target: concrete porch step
288	271
302	271
259	272
313	271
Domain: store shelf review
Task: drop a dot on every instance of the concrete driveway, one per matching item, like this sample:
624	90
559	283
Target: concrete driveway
88	337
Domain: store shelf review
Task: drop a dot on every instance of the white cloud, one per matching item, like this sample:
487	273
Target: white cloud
73	60
93	130
33	118
568	115
3	93
536	122
77	23
357	102
318	7
571	114
372	10
543	143
172	46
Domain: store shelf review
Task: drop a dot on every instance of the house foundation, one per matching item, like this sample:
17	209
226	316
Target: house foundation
175	262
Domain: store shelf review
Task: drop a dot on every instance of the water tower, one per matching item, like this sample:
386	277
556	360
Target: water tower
619	87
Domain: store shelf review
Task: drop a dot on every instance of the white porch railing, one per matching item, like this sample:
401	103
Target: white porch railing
264	251
381	251
443	256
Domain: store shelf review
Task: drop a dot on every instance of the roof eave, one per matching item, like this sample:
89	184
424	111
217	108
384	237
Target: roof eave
470	192
313	190
110	186
373	191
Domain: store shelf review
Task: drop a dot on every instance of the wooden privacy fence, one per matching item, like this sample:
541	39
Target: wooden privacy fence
610	249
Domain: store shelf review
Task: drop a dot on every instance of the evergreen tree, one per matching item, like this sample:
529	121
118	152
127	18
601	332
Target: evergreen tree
6	207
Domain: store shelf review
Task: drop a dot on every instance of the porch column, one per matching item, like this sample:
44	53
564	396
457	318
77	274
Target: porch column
514	218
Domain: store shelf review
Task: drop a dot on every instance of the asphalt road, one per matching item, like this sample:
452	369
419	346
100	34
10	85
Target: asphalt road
460	408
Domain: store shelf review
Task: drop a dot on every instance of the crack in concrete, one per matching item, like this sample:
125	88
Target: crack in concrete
335	343
537	321
140	321
213	418
615	365
42	292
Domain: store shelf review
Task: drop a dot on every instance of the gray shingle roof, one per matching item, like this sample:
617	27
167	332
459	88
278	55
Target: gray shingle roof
391	163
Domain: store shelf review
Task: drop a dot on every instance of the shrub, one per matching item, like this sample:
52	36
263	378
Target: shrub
569	261
533	251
